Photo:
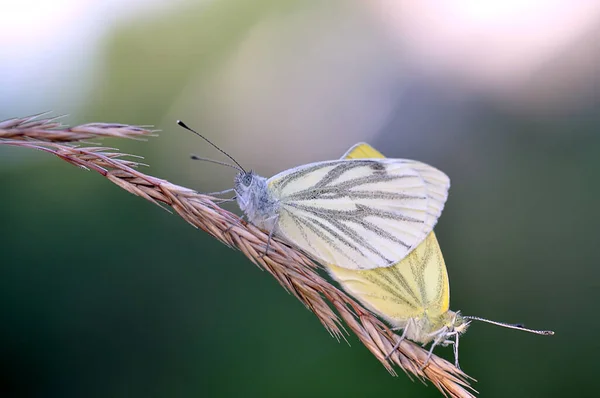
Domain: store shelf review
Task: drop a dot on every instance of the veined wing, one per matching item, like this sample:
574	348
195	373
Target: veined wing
407	289
359	213
415	286
437	182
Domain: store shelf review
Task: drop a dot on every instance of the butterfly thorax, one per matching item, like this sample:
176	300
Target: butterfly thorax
255	200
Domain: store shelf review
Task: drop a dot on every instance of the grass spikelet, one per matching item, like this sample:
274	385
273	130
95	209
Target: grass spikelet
292	269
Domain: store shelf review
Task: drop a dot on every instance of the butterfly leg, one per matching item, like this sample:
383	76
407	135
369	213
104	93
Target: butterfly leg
456	351
218	192
402	337
268	245
274	219
441	336
441	341
242	217
433	345
220	201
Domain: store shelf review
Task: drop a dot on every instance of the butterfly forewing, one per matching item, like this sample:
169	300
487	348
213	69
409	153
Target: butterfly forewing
360	213
437	185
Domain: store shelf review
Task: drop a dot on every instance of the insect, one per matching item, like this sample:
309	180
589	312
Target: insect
369	221
355	213
413	294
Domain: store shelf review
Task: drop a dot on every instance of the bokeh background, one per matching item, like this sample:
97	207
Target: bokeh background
105	295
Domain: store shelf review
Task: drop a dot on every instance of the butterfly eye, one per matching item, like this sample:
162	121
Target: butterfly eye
247	179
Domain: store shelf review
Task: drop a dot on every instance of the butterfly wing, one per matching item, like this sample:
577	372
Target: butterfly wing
415	286
437	183
359	213
407	289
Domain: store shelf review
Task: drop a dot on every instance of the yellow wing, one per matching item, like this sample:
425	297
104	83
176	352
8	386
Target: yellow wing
415	286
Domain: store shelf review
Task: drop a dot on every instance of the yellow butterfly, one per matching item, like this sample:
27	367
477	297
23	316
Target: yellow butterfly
413	294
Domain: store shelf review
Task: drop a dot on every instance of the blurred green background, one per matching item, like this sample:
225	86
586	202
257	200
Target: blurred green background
105	295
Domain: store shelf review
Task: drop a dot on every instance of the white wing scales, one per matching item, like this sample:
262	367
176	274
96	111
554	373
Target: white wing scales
359	213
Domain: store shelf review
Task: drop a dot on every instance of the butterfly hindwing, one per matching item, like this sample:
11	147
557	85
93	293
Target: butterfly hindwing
416	285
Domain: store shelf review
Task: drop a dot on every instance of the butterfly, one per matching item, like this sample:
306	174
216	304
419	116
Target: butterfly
369	221
354	213
412	294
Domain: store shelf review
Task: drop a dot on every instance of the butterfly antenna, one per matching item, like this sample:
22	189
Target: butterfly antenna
516	326
182	124
196	157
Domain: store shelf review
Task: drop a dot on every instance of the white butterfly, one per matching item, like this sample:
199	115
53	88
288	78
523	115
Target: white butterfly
353	213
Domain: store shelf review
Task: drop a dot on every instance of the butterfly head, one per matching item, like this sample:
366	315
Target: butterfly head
244	183
255	199
458	324
439	329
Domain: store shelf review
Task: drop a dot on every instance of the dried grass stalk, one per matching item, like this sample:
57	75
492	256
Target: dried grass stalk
51	130
292	269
